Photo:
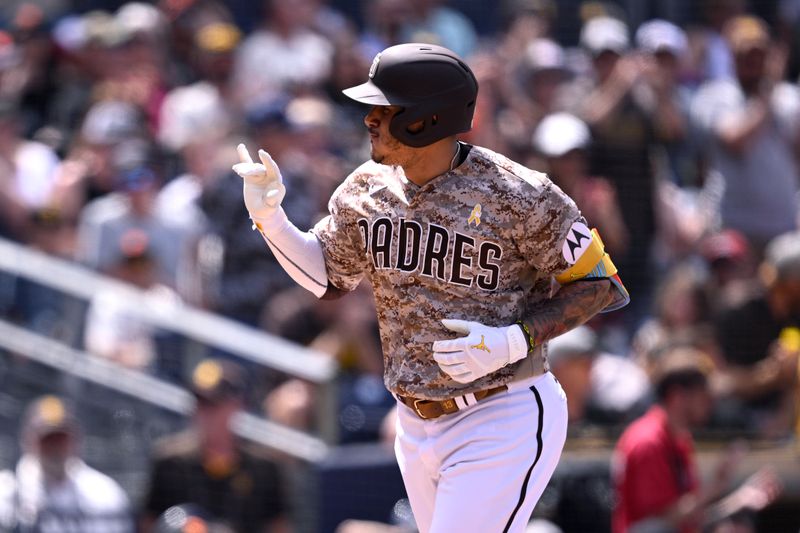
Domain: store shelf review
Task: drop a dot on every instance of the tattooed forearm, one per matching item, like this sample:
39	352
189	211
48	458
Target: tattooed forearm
571	306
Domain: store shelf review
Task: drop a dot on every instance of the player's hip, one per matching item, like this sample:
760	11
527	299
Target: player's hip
532	401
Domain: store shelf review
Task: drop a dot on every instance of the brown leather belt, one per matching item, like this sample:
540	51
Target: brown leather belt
428	409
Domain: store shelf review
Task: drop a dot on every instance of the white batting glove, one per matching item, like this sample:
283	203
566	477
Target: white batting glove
484	349
263	184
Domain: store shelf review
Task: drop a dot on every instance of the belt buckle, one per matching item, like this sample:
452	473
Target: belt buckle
415	407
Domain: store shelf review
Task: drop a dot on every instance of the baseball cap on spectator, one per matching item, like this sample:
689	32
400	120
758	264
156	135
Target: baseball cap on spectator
544	54
268	114
727	244
660	35
215	380
217	37
137	18
48	415
745	33
560	133
601	34
579	342
136	179
192	113
104	29
308	112
110	122
782	255
95	25
70	33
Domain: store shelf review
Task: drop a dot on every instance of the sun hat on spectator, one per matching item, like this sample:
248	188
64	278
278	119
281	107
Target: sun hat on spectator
560	133
601	34
660	35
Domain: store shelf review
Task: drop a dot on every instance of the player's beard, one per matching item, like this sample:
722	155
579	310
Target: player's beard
387	151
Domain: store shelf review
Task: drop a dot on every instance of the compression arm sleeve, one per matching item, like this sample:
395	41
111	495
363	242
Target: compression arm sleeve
298	252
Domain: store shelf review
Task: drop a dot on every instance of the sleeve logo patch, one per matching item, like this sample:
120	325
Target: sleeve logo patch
578	240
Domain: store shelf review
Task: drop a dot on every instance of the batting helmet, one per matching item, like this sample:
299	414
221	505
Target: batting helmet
430	83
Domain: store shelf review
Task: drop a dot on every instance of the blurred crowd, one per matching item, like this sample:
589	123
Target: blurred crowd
680	144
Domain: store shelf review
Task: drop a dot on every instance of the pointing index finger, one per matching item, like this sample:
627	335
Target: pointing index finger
244	155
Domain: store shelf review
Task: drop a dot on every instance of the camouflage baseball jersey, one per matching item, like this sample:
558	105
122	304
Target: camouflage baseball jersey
481	242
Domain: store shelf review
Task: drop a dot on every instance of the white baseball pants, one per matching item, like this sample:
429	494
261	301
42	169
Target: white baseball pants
482	469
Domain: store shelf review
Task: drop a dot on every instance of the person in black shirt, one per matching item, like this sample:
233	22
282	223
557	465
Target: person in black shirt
760	342
207	466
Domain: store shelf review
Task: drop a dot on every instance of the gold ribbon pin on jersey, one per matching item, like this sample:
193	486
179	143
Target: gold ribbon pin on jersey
475	216
481	346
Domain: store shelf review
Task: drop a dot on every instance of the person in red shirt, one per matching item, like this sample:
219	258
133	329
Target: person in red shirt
654	471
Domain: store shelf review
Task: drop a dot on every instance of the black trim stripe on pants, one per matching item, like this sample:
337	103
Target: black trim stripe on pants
524	489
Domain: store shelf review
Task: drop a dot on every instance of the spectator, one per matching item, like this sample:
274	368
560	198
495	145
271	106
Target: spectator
681	307
601	388
105	220
655	470
27	171
433	22
531	90
213	52
209	467
564	140
714	59
52	489
761	370
195	124
285	54
730	263
752	123
611	103
385	20
665	46
113	329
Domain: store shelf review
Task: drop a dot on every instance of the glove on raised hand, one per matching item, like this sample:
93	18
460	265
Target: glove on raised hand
263	184
483	350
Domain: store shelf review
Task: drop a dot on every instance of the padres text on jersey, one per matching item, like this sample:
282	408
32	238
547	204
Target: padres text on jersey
488	234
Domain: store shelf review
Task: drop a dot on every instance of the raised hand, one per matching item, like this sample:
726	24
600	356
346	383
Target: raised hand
263	184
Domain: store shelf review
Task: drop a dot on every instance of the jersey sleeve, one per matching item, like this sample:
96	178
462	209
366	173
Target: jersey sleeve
342	242
548	222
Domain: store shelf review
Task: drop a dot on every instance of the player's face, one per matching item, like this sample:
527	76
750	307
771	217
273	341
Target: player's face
384	147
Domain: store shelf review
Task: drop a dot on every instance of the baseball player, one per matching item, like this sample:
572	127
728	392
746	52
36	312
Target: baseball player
475	262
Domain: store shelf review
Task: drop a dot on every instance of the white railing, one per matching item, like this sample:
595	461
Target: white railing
151	390
246	342
205	327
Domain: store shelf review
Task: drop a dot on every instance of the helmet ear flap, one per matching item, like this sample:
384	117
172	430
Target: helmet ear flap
402	122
